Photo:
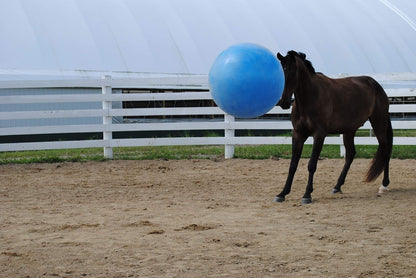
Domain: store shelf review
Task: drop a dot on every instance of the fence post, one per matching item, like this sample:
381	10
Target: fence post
341	147
229	133
107	119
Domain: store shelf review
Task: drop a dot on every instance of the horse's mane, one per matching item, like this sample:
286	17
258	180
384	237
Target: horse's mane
301	55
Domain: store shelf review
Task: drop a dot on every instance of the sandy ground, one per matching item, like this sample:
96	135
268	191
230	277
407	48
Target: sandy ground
203	218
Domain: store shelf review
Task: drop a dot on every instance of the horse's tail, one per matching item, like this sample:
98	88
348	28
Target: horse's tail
382	156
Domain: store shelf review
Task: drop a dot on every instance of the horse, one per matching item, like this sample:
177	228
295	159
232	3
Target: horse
324	106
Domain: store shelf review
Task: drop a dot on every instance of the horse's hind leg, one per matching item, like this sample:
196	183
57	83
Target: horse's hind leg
349	157
388	142
383	188
384	134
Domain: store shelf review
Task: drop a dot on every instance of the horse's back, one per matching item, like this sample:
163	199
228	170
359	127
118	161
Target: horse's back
353	100
357	89
370	86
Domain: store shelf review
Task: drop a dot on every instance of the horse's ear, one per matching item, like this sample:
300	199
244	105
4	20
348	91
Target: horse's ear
302	55
279	56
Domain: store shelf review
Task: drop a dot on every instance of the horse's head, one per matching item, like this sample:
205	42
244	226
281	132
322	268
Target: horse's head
291	65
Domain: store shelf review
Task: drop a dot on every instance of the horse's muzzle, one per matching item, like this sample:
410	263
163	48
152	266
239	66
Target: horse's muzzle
284	103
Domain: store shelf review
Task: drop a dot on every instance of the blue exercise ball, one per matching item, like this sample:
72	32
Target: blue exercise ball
246	80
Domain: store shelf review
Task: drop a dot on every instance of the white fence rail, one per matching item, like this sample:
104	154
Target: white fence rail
107	128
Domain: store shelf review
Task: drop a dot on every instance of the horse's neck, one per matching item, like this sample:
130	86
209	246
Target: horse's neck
304	95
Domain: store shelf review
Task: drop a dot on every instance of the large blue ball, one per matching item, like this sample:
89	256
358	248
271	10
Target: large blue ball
246	80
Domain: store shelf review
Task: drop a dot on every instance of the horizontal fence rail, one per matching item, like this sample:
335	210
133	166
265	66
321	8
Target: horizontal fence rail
193	89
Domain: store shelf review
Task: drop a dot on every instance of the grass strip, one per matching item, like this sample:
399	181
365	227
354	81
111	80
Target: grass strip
189	152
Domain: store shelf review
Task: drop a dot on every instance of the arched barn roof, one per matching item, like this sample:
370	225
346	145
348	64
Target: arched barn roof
83	37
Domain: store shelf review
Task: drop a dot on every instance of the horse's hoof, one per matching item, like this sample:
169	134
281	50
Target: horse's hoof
335	191
382	189
306	201
279	199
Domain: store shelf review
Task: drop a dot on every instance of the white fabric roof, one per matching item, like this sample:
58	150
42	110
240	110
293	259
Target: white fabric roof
83	37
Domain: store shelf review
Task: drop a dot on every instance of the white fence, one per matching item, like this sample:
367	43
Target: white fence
229	124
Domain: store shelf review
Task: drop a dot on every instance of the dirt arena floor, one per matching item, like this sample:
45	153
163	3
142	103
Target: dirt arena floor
203	218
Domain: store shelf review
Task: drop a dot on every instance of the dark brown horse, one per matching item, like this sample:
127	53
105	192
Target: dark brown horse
325	106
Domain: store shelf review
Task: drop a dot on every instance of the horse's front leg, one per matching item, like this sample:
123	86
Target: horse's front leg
297	146
318	141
